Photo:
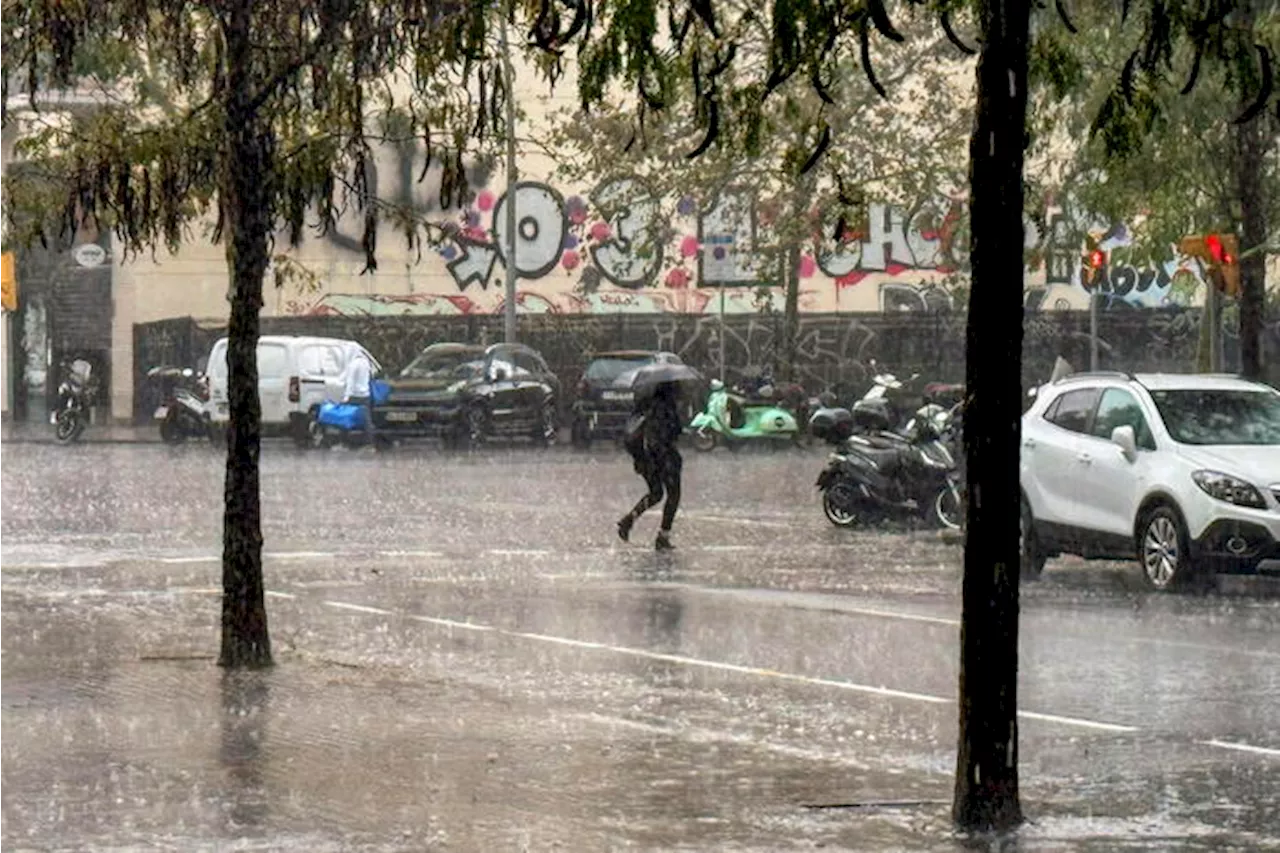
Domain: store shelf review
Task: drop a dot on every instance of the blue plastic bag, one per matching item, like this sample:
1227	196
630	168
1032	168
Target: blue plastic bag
379	392
341	415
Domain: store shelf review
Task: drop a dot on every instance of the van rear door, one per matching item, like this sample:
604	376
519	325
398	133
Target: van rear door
274	374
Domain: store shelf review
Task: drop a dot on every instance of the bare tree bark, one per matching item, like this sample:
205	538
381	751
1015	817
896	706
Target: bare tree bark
986	792
1251	141
246	210
790	312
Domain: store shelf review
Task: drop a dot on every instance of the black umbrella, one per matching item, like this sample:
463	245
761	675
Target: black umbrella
645	379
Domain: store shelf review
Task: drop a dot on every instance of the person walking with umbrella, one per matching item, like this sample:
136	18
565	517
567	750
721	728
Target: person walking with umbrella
651	438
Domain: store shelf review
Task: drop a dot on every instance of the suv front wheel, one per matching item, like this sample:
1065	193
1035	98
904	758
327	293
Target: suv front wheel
1032	557
1164	549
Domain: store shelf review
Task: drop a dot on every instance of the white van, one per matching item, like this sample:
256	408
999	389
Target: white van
295	374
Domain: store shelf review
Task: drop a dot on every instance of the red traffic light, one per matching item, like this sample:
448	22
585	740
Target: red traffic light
1097	258
1214	244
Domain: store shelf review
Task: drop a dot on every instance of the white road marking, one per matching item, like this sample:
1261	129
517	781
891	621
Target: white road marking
359	608
876	690
298	555
451	623
517	552
701	735
1076	721
178	561
271	593
428	554
726	548
730	519
1242	747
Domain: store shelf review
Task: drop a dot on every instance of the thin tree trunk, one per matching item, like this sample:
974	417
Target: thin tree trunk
790	312
1251	141
245	200
986	792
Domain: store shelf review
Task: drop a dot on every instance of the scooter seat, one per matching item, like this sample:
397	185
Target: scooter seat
885	459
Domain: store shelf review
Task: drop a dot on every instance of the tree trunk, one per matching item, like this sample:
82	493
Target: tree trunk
986	792
790	312
1251	141
246	210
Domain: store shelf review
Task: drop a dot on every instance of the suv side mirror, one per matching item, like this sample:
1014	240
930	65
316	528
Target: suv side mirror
1123	437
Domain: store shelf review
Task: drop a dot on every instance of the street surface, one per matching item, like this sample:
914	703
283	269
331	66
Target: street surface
469	659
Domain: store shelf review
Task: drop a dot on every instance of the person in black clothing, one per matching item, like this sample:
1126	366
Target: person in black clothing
652	446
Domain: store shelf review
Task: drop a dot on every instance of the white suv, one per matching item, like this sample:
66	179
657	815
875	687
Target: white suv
1181	472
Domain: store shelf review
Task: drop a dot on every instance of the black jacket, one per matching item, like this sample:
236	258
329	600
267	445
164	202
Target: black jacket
662	424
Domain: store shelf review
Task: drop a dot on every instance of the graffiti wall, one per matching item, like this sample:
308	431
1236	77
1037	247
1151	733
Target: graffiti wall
618	249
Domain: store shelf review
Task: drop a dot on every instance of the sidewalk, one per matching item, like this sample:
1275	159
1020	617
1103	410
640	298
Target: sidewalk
27	432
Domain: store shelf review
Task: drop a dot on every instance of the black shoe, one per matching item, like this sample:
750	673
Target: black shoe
663	542
624	527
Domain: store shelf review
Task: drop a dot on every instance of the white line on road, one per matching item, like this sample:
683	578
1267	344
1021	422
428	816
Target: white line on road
730	519
517	552
271	593
876	690
431	554
1076	721
299	555
451	623
178	561
359	608
1242	747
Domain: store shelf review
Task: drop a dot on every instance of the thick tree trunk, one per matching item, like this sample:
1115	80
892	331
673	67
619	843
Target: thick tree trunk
246	210
986	793
1251	142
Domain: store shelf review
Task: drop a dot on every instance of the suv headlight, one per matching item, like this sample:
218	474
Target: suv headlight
1224	487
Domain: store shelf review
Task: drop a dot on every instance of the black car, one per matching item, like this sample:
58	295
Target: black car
466	393
604	399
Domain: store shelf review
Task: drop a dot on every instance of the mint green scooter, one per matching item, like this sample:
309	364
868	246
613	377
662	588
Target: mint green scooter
730	420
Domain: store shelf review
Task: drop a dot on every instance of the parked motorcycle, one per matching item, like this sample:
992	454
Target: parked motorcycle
181	413
76	394
730	419
872	478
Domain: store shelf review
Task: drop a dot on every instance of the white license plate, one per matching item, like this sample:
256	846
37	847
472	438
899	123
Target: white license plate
402	417
161	413
616	395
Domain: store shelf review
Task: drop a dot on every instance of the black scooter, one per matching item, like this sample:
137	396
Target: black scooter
181	412
76	394
886	476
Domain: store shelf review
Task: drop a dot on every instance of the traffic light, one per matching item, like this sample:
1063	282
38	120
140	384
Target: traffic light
1091	268
1219	253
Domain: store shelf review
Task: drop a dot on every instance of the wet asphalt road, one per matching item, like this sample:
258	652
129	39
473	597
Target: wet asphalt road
470	659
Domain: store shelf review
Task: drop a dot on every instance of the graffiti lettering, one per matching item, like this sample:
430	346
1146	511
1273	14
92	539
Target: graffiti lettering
540	228
632	255
475	263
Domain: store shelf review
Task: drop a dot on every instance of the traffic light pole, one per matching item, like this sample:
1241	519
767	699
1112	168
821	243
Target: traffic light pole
1093	329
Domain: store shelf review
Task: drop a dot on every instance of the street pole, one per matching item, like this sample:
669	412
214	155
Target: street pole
722	371
509	250
1214	307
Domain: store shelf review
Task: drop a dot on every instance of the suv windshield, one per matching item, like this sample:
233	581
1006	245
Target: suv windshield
1220	416
444	365
609	369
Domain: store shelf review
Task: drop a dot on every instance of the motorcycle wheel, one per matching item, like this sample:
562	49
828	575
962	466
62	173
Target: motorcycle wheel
705	440
67	427
948	509
834	503
172	432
